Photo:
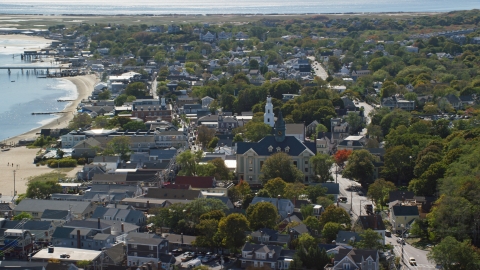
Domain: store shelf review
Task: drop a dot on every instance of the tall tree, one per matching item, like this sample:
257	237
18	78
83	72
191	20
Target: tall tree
355	122
42	190
360	166
379	190
322	163
370	239
455	255
231	230
341	156
280	165
275	187
188	161
205	135
262	215
80	120
118	146
335	214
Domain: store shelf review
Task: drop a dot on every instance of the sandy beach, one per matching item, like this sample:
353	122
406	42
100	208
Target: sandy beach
22	158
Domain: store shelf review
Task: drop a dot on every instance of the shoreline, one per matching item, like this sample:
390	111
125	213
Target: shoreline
84	87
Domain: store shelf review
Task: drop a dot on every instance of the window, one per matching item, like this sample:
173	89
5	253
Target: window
306	162
295	163
346	266
250	169
134	254
306	169
369	262
134	246
287	149
270	148
151	247
72	243
261	164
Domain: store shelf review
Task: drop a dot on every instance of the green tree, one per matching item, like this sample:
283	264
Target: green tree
220	172
330	230
118	145
84	264
320	128
315	191
23	215
275	187
370	239
213	142
455	255
231	230
294	190
322	163
42	189
205	135
262	215
134	125
335	214
207	230
80	120
360	166
355	122
255	131
379	190
280	165
306	210
104	95
312	223
136	89
188	161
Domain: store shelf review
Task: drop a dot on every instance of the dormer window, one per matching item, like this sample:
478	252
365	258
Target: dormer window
270	148
287	149
279	149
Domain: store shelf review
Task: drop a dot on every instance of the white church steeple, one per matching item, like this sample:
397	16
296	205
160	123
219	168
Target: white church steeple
268	116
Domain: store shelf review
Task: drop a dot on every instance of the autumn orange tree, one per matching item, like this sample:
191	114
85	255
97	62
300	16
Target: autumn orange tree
341	156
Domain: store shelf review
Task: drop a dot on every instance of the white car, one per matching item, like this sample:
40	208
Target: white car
412	261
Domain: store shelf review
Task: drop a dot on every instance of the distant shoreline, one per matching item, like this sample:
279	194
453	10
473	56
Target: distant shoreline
233	14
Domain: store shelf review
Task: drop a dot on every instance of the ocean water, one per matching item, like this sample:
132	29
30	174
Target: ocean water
110	7
22	94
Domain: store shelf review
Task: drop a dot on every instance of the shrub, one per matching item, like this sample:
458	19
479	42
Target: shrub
63	163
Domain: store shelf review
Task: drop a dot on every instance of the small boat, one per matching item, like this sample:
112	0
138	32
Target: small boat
6	149
12	81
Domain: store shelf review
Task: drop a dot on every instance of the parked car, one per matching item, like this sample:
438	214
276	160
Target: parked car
206	259
401	241
388	233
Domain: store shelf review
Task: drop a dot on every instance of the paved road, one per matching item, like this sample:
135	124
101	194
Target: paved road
319	70
408	252
355	201
368	108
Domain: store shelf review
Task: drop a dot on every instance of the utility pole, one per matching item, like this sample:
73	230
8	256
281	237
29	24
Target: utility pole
14	192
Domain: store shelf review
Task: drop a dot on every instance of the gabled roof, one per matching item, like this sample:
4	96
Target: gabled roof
108	159
196	181
373	222
30	205
54	214
356	255
405	210
345	237
144	238
332	188
86	224
178	194
261	147
62	232
398	195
